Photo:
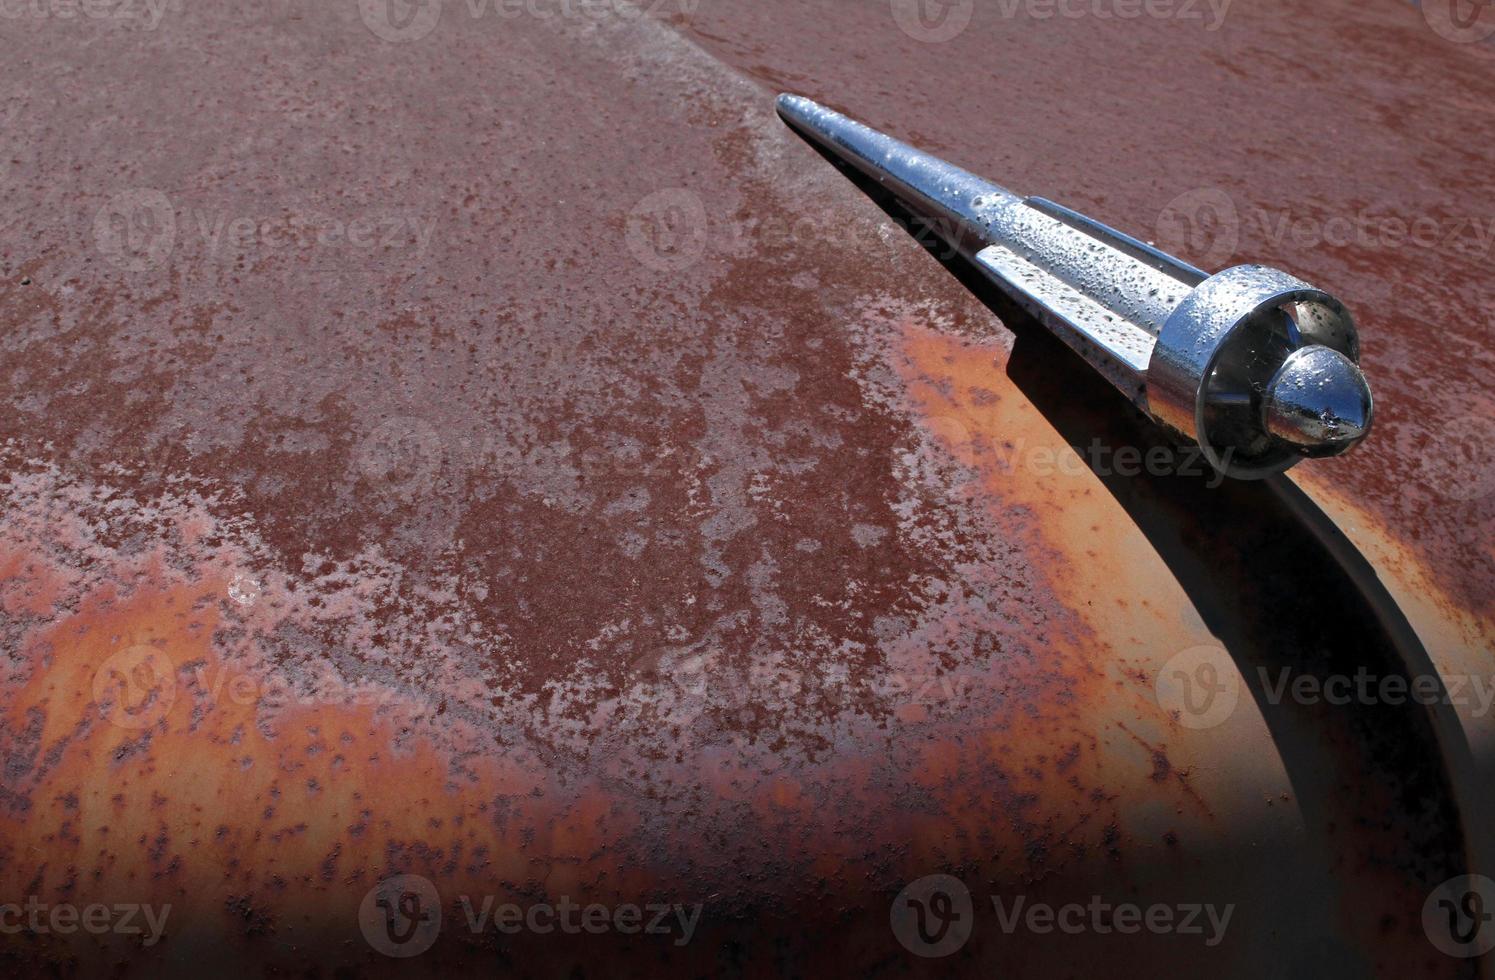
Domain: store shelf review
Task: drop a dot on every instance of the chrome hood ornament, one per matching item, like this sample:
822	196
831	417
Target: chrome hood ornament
1256	366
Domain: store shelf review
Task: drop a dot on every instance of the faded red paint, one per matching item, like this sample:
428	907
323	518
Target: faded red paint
645	580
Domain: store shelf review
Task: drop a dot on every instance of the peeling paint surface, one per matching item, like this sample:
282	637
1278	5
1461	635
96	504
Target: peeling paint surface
561	484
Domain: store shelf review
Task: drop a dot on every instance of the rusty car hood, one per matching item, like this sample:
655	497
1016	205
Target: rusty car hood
509	456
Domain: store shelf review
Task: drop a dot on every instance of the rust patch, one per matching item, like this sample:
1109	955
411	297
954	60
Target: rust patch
537	567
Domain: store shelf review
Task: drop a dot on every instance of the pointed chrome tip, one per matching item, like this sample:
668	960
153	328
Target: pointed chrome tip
949	199
810	117
793	108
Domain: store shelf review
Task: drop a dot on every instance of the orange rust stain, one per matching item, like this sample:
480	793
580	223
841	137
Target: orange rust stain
155	774
1458	634
26	588
1034	484
1026	469
1023	463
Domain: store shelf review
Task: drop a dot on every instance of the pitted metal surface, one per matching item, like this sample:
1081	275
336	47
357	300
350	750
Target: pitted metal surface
412	467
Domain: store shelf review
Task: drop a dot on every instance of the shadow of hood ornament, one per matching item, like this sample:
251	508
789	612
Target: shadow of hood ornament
1256	366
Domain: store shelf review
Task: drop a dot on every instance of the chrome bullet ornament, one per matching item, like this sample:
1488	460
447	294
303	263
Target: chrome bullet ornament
1256	366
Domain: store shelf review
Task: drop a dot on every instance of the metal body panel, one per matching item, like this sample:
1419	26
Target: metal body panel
599	518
